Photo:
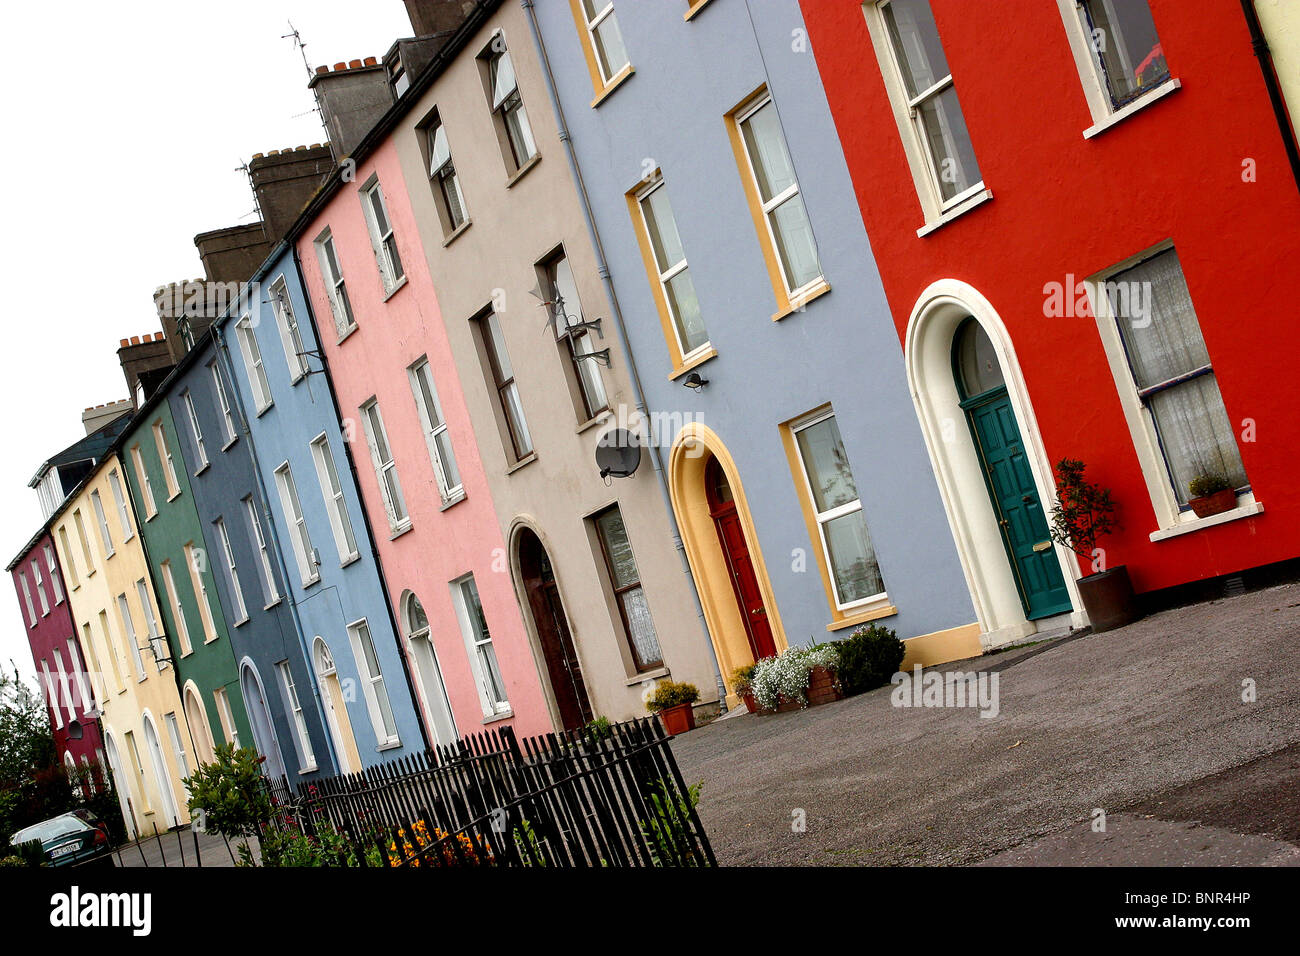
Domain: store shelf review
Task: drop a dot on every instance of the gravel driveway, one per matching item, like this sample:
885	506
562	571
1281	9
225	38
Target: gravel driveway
1103	721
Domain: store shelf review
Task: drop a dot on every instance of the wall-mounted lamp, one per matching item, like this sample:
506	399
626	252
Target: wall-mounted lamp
694	381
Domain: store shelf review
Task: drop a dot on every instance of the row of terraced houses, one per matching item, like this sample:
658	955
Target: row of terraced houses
609	342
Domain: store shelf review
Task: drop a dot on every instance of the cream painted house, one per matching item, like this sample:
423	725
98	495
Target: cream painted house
115	610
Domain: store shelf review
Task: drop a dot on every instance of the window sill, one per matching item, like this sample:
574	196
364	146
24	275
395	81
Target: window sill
186	654
956	212
692	363
150	517
696	7
242	621
523	170
352	558
211	640
233	440
398	532
799	302
295	379
522	462
1245	509
262	411
311	582
89	574
599	418
644	676
174	496
862	617
453	501
617	80
401	284
346	334
268	607
1159	93
304	770
457	233
391	745
496	718
205	467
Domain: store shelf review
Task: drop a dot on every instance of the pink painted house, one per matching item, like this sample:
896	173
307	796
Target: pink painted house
418	464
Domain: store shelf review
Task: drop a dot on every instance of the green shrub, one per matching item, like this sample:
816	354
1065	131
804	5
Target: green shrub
671	693
742	678
230	793
869	657
1202	486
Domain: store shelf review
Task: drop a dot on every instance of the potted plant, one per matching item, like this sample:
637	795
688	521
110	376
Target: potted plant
1083	513
672	701
742	679
1211	494
796	678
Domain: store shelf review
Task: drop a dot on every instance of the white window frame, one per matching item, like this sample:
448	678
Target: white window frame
129	633
295	351
300	535
201	594
269	589
226	716
79	522
196	431
101	518
331	489
178	746
253	365
119	499
642	197
52	567
157	642
100	692
27	598
423	371
65	681
79	673
292	703
1170	517
825	517
223	400
443	174
336	288
373	685
1103	110
503	109
384	243
178	609
399	518
228	554
146	487
165	454
473	644
39	581
50	687
776	201
591	23
915	144
69	559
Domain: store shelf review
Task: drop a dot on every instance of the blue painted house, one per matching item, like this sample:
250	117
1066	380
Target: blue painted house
355	678
773	373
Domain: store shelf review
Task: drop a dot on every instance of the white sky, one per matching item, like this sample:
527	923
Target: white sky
122	132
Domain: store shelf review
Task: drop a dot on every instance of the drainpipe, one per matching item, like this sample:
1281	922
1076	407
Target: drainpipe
602	266
365	512
223	350
1260	45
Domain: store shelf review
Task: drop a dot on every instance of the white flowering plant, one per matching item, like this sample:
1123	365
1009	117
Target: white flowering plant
789	674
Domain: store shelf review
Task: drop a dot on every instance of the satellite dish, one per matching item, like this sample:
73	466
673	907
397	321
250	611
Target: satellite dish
618	453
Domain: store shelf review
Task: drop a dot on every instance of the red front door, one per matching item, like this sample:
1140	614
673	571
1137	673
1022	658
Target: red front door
744	582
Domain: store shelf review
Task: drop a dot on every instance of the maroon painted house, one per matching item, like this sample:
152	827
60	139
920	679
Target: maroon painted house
57	652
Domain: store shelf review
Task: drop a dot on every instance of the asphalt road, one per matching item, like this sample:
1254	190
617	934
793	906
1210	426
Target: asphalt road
1146	724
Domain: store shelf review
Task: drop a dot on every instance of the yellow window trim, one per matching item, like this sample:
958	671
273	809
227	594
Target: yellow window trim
696	7
816	292
680	370
839	619
783	305
598	84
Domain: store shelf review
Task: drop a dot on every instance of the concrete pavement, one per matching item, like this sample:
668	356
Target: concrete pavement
1103	722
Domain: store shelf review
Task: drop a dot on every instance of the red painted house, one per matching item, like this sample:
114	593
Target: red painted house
1086	225
57	654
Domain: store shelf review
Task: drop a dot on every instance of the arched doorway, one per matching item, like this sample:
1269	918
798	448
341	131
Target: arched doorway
975	415
200	729
336	714
563	668
159	764
735	551
709	502
121	782
437	711
259	716
1014	497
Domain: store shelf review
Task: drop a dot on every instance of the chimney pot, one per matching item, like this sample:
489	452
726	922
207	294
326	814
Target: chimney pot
340	66
135	340
354	64
322	69
370	61
123	343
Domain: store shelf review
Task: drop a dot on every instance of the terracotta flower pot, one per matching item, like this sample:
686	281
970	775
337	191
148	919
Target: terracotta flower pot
1108	599
679	719
1214	504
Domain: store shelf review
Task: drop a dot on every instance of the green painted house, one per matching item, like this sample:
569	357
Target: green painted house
183	575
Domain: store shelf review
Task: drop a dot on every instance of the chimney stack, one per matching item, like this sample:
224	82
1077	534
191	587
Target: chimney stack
437	16
97	416
352	97
284	181
145	361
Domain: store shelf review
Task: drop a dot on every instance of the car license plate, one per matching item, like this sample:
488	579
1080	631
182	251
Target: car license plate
64	850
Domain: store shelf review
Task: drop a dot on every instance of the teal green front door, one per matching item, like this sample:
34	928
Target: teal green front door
1016	504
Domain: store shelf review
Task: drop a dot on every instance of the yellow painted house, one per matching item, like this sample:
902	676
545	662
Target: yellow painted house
116	613
1280	21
